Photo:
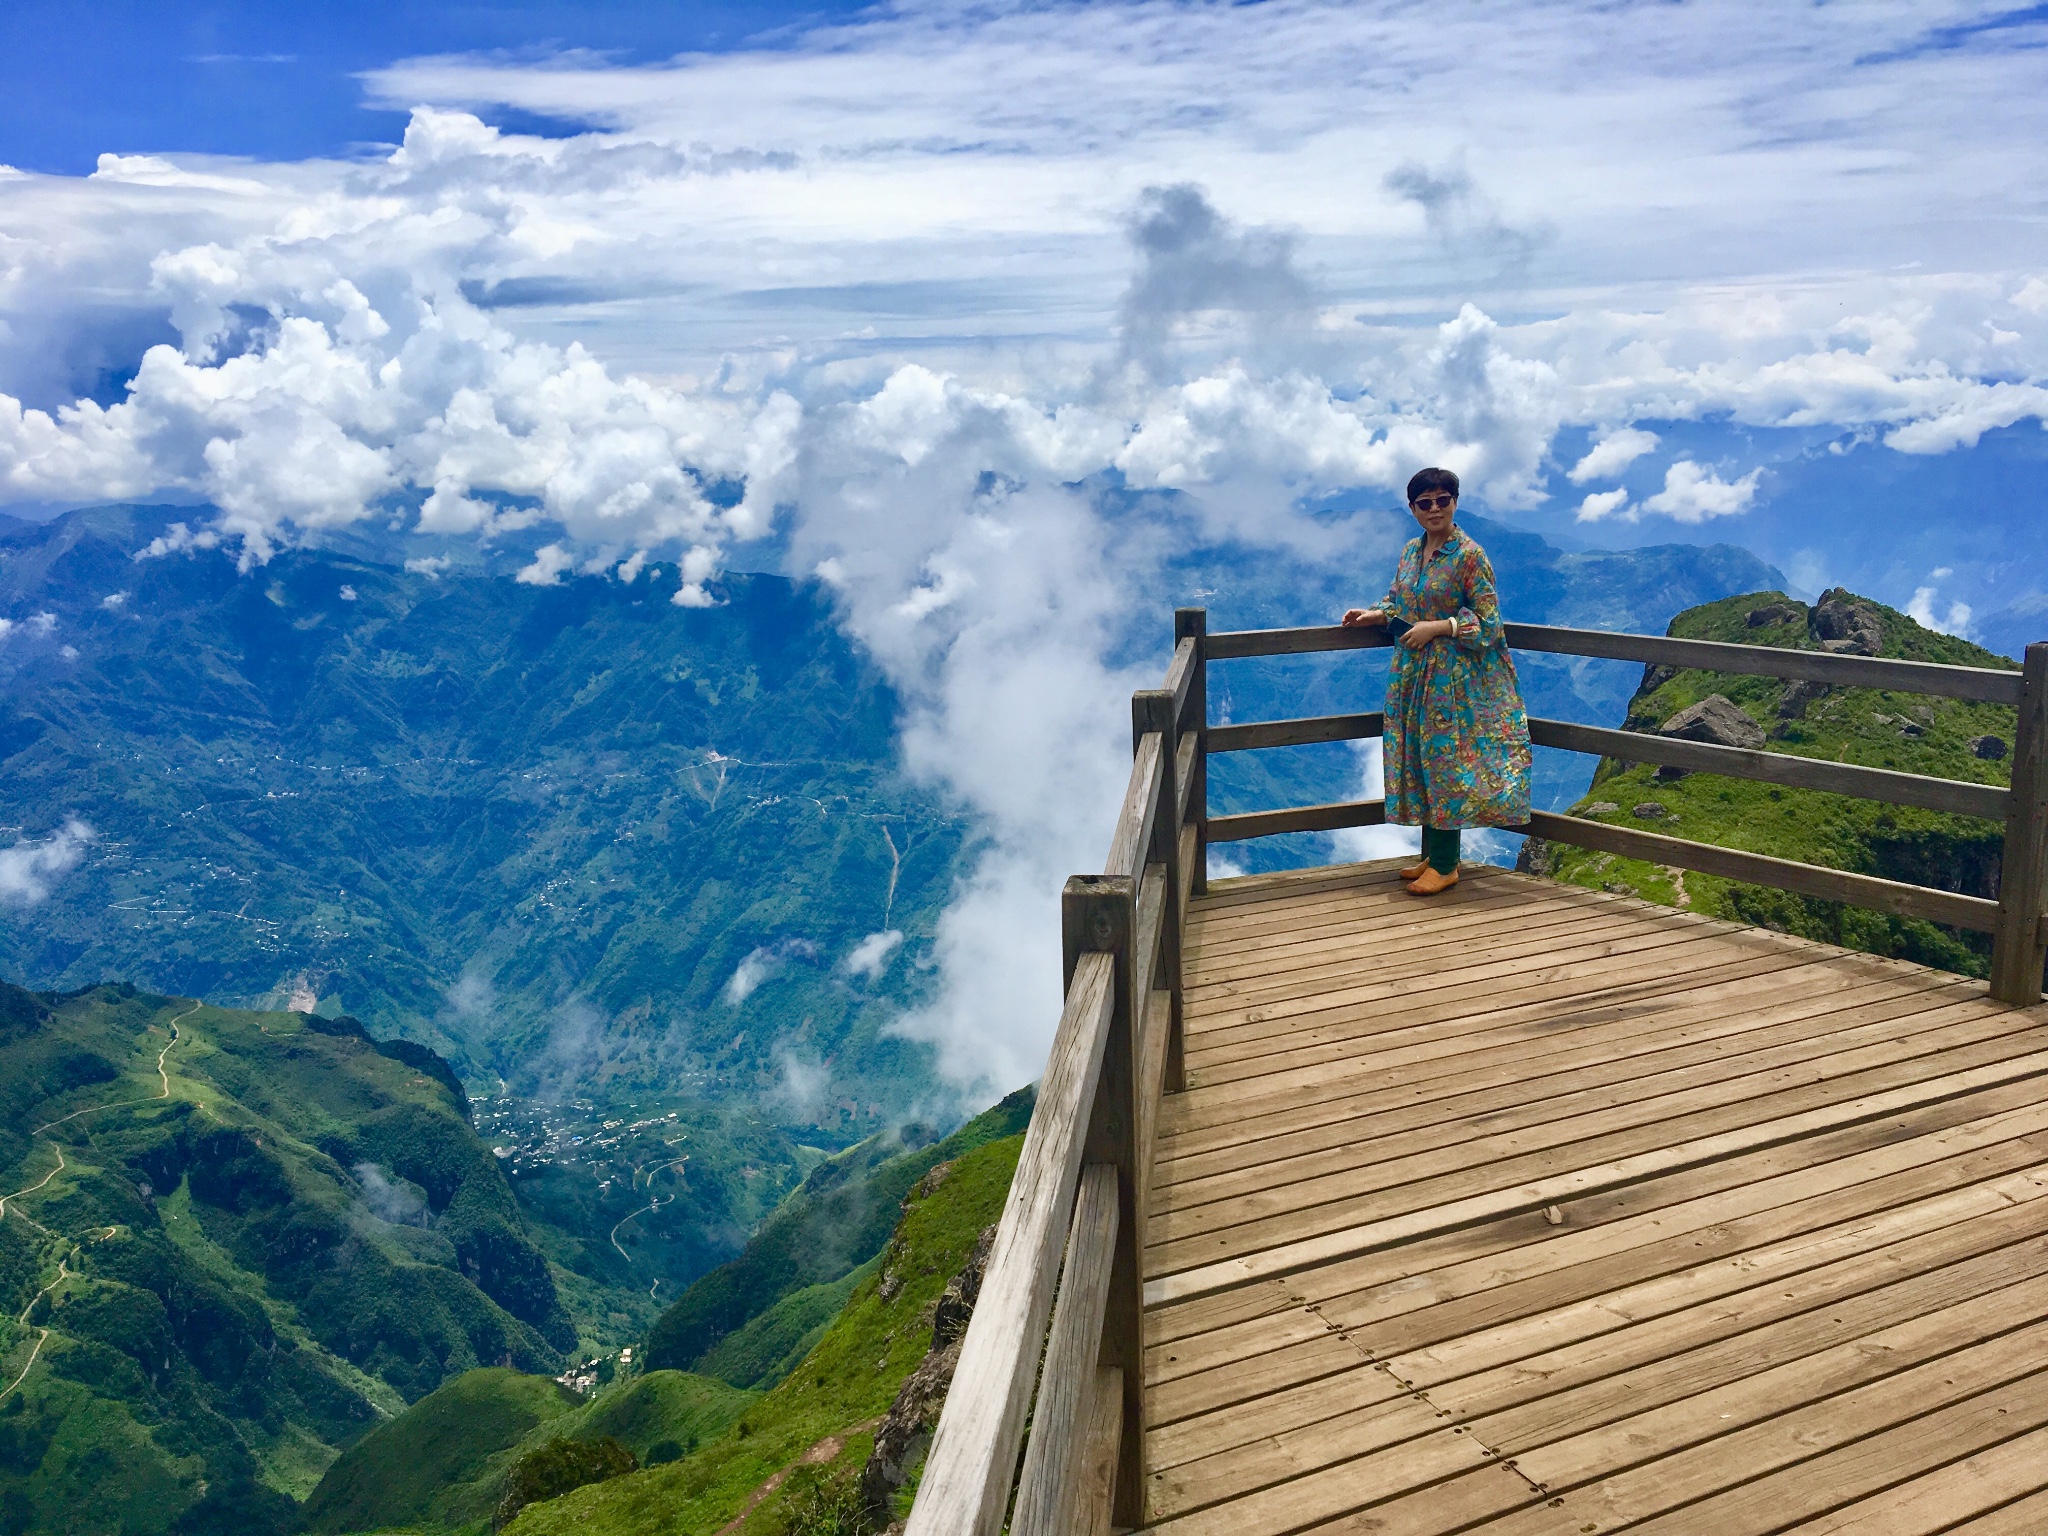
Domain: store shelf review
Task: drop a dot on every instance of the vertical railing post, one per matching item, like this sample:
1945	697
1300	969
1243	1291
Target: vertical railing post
1186	622
1099	912
2016	949
1152	710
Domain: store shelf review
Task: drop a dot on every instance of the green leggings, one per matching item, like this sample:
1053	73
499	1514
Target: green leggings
1440	849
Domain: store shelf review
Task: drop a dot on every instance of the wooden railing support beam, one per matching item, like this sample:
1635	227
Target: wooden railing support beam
1098	913
1155	709
966	1487
1194	623
1049	1492
2016	946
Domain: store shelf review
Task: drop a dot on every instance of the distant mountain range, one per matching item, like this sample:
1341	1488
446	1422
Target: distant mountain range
574	837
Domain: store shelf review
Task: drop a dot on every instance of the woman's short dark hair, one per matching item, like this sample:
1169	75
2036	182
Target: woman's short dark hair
1431	480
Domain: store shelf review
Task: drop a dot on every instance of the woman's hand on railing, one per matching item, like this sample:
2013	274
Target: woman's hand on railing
1359	618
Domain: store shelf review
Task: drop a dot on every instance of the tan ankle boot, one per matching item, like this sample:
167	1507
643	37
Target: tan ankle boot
1429	882
1413	871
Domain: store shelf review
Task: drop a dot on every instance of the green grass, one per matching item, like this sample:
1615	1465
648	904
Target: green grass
225	1310
440	1466
836	1221
770	1346
1871	727
842	1386
442	1462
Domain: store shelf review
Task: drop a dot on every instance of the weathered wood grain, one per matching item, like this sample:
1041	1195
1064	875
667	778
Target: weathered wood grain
2017	943
1780	874
1251	735
1298	818
1892	787
1055	1459
966	1484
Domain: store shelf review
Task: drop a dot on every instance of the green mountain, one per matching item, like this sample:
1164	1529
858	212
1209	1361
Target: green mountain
791	1464
706	1453
231	1243
1947	738
442	1465
607	855
748	1321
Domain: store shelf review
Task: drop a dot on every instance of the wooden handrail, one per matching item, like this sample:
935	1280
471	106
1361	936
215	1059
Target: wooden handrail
1886	784
966	1485
1117	1048
1937	906
1986	685
1254	734
1049	1490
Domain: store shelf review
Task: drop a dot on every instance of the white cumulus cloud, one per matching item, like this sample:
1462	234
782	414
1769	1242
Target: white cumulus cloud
907	291
1612	454
1602	504
1693	494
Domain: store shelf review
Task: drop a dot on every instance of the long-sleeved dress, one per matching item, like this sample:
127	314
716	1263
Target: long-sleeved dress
1457	736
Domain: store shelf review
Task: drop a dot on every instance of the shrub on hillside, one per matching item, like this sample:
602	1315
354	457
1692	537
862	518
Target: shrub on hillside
558	1466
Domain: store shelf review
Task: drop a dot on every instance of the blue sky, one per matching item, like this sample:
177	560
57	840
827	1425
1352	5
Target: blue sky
277	81
879	295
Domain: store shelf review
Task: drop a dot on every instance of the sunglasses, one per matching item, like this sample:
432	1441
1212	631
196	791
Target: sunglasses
1434	503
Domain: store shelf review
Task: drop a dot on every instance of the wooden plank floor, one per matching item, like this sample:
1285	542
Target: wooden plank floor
1536	1211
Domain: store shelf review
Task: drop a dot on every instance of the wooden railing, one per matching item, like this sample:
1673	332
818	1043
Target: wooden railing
1073	1226
2015	920
1056	1341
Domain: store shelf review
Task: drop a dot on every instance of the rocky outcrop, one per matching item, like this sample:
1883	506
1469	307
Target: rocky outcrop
1798	697
1774	613
906	1429
1846	623
1991	749
1716	720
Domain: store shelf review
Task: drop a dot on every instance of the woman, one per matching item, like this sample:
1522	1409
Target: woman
1457	737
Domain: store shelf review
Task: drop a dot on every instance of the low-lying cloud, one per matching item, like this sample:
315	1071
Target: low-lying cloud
30	867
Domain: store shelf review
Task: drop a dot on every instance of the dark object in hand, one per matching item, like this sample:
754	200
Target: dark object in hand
1397	627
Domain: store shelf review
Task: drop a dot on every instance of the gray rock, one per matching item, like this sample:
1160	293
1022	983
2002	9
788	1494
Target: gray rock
906	1429
1798	696
1912	728
1990	748
1600	808
1847	624
1717	720
1774	613
1652	810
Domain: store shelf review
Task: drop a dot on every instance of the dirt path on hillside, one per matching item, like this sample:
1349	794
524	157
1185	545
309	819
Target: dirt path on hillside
824	1451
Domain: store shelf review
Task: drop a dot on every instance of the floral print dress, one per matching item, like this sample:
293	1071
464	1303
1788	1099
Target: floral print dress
1457	736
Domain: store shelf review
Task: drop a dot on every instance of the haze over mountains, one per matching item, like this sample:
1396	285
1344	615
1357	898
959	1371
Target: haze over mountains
578	838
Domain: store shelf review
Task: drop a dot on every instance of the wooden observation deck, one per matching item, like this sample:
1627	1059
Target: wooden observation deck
1529	1210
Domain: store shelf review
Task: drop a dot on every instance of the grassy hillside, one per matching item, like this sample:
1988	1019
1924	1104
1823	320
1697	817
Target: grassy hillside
1867	726
440	1466
745	1321
815	1429
232	1242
